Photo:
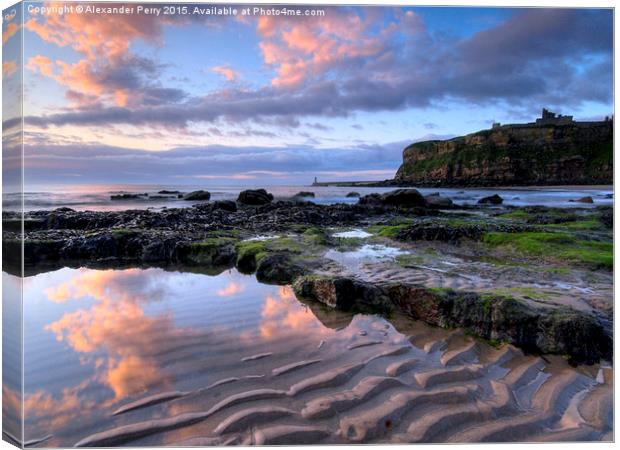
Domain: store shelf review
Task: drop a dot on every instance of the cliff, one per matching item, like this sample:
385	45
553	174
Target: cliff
528	154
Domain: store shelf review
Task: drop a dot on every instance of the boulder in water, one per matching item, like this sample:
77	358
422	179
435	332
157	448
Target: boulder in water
304	194
198	195
278	269
128	196
491	200
255	197
587	199
399	197
437	201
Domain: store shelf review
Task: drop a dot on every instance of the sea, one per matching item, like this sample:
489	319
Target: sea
99	197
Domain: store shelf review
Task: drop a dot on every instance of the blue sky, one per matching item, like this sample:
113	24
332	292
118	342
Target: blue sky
251	100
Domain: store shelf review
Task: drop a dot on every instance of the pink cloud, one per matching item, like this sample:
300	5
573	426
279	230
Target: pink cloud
103	40
10	31
304	48
41	64
227	72
8	68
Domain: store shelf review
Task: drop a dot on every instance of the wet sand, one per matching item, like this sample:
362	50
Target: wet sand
370	383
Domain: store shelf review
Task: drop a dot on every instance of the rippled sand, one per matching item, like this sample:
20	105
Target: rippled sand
370	383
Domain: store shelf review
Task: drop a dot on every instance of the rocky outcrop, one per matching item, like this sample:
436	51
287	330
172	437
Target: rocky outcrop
528	154
398	197
343	293
255	197
198	196
537	328
491	200
128	196
437	201
278	268
305	194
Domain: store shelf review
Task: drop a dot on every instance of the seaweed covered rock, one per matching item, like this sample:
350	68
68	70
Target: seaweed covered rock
305	194
255	197
128	196
559	330
212	252
491	200
586	199
343	293
225	205
440	232
198	196
437	201
278	268
398	197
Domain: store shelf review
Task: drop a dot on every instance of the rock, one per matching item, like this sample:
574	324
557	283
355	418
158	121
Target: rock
558	330
371	199
278	269
255	197
342	293
399	197
225	205
517	155
165	192
404	197
198	196
583	200
437	201
491	200
432	231
440	232
213	252
304	194
353	194
128	196
606	216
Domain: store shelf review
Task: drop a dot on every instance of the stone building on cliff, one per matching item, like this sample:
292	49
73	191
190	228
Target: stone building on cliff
551	118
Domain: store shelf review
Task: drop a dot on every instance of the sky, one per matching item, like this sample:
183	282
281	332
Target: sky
251	99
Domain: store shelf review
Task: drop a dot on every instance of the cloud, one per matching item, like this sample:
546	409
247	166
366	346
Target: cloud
353	60
303	48
118	326
8	68
246	165
227	72
108	70
283	314
233	288
9	31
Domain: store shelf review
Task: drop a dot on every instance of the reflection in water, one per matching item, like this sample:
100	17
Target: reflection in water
11	357
106	336
109	348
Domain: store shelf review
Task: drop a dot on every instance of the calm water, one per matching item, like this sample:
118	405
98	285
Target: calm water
97	197
97	341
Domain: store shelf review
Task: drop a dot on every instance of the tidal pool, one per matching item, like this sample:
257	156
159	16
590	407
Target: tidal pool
155	357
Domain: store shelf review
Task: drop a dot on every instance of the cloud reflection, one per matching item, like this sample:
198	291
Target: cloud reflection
283	314
118	327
